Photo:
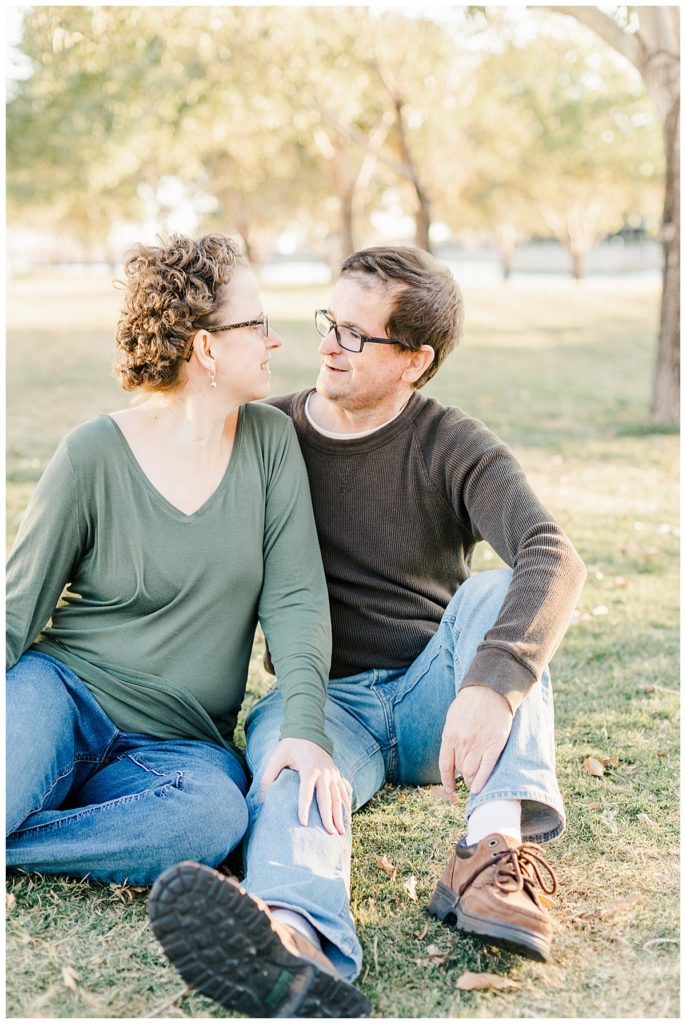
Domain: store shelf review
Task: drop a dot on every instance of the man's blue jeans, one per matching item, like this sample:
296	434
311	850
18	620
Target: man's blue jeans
84	799
386	727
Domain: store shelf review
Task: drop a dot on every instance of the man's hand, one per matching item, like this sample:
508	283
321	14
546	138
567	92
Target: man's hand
476	729
319	774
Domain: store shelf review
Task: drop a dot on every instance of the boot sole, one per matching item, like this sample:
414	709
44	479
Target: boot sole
223	945
446	907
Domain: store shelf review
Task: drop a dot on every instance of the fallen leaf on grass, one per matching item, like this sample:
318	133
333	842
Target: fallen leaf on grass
545	900
410	886
10	901
660	753
594	807
70	977
435	957
646	820
469	980
422	933
618	906
442	796
593	766
122	891
610	762
387	865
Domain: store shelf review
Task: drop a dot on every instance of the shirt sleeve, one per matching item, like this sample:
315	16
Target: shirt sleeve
48	546
490	493
294	606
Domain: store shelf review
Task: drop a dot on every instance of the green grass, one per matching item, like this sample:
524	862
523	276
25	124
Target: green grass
564	376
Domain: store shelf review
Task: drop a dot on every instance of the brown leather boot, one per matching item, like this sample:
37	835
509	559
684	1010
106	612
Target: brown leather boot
489	890
225	943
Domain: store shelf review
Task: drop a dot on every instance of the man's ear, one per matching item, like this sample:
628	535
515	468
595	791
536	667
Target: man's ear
418	362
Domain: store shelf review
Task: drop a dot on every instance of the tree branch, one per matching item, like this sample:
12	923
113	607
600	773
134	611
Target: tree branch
658	21
608	30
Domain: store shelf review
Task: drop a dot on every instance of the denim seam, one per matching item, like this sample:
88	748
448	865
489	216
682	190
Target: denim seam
424	674
86	812
392	748
145	767
365	758
78	759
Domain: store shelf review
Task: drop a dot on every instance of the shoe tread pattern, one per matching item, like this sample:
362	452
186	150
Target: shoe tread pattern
223	945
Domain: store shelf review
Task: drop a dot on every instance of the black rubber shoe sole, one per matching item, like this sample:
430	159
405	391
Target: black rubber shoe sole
445	906
223	945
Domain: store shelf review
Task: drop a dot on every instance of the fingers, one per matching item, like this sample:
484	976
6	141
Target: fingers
446	765
332	801
271	772
483	772
340	804
325	803
308	781
470	766
346	798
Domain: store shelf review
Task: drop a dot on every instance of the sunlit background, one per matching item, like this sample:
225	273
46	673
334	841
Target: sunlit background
509	140
539	157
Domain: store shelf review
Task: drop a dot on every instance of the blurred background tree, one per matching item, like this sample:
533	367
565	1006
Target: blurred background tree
328	124
650	38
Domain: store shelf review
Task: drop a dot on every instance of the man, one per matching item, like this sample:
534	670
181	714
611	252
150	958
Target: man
435	673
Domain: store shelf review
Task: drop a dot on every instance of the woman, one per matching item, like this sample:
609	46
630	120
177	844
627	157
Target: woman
177	524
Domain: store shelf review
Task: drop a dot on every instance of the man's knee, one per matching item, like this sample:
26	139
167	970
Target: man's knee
483	588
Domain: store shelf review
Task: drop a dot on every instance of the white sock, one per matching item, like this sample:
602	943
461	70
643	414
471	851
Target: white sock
504	816
297	921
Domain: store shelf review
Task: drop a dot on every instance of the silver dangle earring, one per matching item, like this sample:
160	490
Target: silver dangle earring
213	379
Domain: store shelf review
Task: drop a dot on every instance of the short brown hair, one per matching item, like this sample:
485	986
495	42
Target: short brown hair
171	291
428	308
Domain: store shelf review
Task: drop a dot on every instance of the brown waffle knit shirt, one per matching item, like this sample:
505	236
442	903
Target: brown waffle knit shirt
399	513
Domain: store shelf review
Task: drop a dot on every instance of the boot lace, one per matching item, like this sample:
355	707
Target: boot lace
518	868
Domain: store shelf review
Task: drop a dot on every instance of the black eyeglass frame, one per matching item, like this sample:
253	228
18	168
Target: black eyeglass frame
263	321
364	338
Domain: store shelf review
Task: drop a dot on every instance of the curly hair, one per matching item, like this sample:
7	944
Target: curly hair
171	291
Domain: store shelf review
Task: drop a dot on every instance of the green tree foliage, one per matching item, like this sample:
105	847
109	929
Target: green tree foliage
271	117
563	140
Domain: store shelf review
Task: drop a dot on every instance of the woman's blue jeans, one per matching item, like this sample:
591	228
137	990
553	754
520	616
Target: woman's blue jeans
386	727
84	799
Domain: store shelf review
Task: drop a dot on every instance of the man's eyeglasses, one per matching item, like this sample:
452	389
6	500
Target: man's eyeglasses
347	337
262	322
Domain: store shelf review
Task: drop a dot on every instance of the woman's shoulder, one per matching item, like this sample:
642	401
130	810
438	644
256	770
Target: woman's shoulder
269	423
91	440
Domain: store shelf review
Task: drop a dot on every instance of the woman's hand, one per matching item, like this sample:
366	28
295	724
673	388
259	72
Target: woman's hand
318	774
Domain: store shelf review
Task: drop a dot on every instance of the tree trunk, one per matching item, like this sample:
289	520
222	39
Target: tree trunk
577	264
422	219
346	199
665	399
506	241
655	50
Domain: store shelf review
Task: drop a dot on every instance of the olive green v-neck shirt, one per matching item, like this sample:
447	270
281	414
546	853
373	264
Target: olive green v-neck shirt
161	607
